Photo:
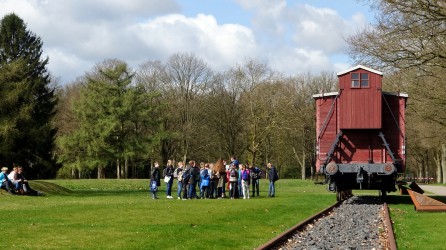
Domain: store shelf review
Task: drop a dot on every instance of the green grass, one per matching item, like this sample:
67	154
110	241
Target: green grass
417	230
120	214
104	214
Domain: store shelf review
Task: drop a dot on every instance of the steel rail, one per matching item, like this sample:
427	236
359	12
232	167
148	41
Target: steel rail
391	242
283	236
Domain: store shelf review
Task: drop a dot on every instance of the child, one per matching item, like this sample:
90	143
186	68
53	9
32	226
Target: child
155	180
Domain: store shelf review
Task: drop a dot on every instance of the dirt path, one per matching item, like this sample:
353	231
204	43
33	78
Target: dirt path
438	190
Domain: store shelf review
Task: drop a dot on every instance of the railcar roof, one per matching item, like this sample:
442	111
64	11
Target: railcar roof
336	93
359	67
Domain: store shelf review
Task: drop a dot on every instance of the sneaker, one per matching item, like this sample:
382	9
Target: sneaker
179	198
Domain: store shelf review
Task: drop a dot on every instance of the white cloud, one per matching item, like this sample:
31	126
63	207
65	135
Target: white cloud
219	45
77	34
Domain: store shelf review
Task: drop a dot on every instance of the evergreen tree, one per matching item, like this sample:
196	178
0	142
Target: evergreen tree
27	100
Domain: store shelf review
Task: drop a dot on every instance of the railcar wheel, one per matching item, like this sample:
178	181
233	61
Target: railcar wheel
383	195
338	195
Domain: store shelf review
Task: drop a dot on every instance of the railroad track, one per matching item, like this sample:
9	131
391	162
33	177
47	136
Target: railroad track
360	222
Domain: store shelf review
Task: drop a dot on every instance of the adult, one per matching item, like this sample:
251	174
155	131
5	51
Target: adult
155	180
233	179
205	179
179	174
5	181
193	180
220	174
213	183
22	184
256	175
245	181
168	177
272	177
186	177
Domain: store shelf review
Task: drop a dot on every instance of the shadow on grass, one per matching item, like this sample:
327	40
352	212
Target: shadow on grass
50	188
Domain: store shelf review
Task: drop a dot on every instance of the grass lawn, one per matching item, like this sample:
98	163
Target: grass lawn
417	230
95	214
121	214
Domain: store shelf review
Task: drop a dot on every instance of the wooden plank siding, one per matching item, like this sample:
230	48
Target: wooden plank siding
361	114
361	107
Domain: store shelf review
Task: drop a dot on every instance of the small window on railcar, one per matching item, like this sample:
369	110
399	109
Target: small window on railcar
355	80
364	80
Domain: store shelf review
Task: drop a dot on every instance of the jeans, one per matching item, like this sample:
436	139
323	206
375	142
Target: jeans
255	186
180	188
232	189
272	189
192	192
245	185
169	187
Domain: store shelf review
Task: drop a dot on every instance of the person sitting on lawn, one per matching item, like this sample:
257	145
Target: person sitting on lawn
5	182
22	185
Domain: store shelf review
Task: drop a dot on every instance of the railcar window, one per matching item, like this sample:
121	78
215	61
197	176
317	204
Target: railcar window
360	80
355	80
364	80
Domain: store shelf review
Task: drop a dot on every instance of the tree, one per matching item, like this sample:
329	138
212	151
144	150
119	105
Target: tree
117	121
27	100
409	41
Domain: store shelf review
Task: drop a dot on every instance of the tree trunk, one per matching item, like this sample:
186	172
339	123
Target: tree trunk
126	168
437	160
100	172
118	169
303	164
73	173
443	162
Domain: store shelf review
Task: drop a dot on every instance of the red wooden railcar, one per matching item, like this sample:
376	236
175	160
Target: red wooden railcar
360	131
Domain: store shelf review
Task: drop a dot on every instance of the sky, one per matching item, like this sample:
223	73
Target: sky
290	36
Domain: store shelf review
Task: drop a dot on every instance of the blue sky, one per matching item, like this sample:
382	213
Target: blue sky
290	36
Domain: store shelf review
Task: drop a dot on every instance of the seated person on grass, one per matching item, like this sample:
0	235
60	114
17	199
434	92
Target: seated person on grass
22	185
5	182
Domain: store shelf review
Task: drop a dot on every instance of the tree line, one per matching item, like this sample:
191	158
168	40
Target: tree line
114	121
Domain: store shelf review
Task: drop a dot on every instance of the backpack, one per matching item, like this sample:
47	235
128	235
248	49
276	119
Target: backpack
233	173
276	176
245	175
185	176
180	175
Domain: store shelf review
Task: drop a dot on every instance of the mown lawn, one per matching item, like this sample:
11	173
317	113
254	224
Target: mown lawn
417	230
97	214
104	214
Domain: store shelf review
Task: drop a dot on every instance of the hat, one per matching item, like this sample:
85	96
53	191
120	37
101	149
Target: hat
4	168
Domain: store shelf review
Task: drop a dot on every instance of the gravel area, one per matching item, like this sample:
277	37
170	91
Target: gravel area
356	224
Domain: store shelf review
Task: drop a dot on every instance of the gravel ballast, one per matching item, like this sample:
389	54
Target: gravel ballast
356	224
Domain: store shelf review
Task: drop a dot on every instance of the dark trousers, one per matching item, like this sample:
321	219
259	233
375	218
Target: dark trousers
255	186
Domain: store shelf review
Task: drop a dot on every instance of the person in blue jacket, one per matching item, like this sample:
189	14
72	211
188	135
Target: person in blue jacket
5	182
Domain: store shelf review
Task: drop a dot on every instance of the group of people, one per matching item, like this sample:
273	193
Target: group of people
212	180
15	182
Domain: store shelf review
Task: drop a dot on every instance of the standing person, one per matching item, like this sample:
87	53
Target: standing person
205	179
186	177
193	180
225	180
179	173
245	181
213	183
233	178
273	177
220	174
155	180
256	174
168	175
5	183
